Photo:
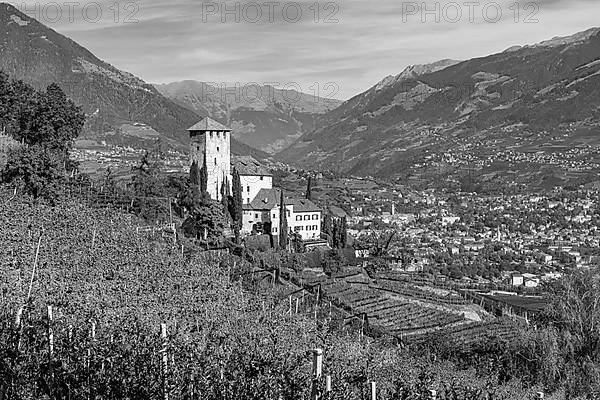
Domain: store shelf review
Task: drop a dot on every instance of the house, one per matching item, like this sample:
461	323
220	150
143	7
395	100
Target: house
305	219
210	147
262	215
361	252
253	176
516	280
531	280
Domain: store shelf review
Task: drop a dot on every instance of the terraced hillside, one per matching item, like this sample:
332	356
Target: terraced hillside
412	312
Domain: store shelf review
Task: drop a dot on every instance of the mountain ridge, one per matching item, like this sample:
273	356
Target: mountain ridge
116	102
486	101
261	116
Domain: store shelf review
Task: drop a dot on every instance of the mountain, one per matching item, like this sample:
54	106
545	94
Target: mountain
262	116
121	108
487	115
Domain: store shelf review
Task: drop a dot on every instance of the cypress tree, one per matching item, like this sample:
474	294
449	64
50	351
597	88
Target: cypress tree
194	174
309	189
283	226
204	179
344	233
238	211
225	197
335	235
327	228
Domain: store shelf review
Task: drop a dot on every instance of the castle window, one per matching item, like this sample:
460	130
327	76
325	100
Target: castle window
215	160
248	200
306	217
217	148
248	189
255	215
261	178
198	148
298	217
211	134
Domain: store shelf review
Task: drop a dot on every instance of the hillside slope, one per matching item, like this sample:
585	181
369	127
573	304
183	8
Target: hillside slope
116	103
527	99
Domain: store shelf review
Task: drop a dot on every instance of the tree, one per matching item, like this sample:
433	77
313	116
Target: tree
336	234
237	211
203	179
225	198
283	226
185	194
109	184
46	123
48	118
343	232
333	262
148	183
309	189
195	174
36	170
327	227
206	223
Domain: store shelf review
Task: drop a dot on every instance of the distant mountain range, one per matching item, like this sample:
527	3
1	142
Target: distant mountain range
528	115
527	99
262	117
121	108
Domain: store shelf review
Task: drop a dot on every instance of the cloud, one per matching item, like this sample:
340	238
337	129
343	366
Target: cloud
354	44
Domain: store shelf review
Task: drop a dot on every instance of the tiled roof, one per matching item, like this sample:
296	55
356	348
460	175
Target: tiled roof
303	205
209	124
267	199
247	165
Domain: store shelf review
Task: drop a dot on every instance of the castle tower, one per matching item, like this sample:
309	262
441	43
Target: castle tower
212	140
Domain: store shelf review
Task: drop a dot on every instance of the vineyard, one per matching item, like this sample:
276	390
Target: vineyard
92	308
412	313
396	317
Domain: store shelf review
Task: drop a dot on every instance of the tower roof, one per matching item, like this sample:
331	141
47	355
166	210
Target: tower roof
209	124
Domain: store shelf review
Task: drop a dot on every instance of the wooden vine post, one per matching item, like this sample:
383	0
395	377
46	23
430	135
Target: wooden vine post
50	334
362	327
317	372
18	327
35	262
165	361
50	344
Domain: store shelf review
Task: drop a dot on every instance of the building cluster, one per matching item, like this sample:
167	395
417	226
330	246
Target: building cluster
520	240
211	146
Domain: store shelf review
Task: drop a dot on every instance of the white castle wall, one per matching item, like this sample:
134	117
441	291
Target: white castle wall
217	146
252	184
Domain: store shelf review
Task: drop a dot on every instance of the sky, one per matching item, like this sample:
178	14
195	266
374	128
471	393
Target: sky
332	49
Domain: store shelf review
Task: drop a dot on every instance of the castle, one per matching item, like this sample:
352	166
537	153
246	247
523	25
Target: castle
210	142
